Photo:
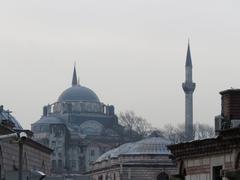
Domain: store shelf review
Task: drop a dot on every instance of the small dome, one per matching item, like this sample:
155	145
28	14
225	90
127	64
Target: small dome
148	146
6	116
152	145
114	153
78	93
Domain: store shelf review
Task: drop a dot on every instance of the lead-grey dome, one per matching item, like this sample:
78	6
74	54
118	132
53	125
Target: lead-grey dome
7	117
148	146
78	93
152	145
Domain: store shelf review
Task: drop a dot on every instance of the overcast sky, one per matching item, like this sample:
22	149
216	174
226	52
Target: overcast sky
130	52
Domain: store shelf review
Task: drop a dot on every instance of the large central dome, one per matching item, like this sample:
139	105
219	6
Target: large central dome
78	92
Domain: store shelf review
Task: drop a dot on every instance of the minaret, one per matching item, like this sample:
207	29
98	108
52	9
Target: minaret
188	87
74	78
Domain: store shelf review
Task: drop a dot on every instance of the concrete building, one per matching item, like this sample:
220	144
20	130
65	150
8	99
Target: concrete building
35	156
79	127
188	87
147	159
215	158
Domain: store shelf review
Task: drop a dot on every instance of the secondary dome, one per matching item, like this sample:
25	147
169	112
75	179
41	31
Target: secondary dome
148	146
152	145
78	93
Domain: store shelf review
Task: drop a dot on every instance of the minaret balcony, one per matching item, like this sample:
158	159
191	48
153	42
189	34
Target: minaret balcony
188	87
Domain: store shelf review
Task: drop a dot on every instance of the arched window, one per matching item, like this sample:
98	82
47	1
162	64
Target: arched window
182	170
237	161
43	166
25	161
1	162
163	176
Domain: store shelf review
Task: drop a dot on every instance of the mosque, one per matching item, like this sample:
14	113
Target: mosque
81	130
78	127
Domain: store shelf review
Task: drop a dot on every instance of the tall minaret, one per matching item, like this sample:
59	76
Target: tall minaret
188	87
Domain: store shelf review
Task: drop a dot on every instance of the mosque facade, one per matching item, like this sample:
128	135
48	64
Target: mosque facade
78	127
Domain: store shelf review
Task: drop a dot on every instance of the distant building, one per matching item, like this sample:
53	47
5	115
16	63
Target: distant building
147	159
35	156
79	127
215	158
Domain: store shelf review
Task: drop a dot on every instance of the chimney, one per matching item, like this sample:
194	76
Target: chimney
1	108
231	107
45	110
111	110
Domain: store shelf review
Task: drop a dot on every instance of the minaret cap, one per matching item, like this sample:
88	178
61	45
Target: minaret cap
188	59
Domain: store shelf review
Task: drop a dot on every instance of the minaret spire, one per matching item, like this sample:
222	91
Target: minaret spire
188	88
188	59
74	78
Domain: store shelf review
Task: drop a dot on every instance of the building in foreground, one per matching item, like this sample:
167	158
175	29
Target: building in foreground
147	159
35	156
215	158
78	127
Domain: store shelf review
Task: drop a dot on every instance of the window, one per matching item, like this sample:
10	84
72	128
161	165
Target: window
53	143
54	164
217	173
92	152
60	163
100	177
74	164
162	176
25	161
81	149
43	166
59	143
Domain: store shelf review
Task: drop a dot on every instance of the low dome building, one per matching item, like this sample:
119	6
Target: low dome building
147	159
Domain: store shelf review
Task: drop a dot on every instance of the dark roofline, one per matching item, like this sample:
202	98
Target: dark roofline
38	146
227	138
230	91
28	141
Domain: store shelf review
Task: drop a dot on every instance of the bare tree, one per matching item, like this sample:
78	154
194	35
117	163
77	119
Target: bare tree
203	131
134	125
174	134
177	134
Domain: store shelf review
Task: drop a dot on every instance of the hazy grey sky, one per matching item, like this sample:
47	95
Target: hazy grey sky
130	52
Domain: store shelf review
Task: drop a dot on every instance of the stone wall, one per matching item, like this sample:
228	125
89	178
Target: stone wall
132	173
33	158
202	168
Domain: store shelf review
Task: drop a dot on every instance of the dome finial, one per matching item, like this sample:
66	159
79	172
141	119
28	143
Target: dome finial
74	78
